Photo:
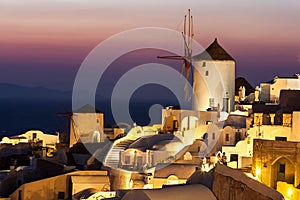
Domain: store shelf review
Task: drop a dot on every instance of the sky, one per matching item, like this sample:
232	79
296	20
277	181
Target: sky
43	42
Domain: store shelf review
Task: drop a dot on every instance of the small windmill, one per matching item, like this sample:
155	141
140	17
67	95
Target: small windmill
188	35
69	123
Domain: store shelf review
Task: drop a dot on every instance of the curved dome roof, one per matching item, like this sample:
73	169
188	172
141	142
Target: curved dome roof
153	142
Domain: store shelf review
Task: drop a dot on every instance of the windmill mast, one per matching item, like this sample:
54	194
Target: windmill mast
184	37
188	53
188	35
192	34
191	47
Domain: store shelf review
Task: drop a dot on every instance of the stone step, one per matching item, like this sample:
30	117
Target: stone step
112	159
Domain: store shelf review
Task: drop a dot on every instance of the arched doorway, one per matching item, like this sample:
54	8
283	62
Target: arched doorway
189	122
283	169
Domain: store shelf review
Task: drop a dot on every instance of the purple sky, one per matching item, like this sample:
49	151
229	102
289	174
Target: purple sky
44	42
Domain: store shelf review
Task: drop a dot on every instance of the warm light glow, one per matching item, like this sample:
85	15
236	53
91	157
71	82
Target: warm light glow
290	192
172	182
132	152
130	184
258	172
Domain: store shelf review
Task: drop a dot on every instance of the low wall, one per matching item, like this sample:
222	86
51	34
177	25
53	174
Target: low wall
231	184
49	189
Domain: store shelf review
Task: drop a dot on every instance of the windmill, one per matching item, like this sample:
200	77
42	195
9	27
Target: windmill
67	126
188	35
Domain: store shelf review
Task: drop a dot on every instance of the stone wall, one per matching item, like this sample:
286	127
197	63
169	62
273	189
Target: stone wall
49	189
231	184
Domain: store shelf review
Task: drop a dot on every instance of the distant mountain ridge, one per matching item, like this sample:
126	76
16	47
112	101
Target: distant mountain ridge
11	91
241	81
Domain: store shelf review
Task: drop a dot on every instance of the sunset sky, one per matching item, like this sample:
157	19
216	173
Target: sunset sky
43	42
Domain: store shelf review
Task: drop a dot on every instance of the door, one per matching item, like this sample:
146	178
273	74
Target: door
281	172
235	157
237	137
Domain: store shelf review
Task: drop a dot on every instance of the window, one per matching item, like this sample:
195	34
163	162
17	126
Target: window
211	102
227	137
213	136
205	138
206	73
127	160
139	161
281	168
280	138
248	140
204	64
175	125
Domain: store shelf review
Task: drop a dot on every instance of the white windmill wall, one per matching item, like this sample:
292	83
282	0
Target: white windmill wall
83	127
201	91
212	79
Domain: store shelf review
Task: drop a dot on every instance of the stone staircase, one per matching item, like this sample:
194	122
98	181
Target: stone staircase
112	158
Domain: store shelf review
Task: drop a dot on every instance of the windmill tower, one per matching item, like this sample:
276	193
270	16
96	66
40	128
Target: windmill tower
214	69
213	72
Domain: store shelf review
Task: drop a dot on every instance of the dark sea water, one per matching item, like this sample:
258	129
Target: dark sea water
18	116
41	109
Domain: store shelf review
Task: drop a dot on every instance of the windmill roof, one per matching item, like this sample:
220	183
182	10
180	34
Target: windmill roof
87	109
214	52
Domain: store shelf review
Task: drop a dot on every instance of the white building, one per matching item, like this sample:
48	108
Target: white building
48	140
270	91
214	79
243	150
